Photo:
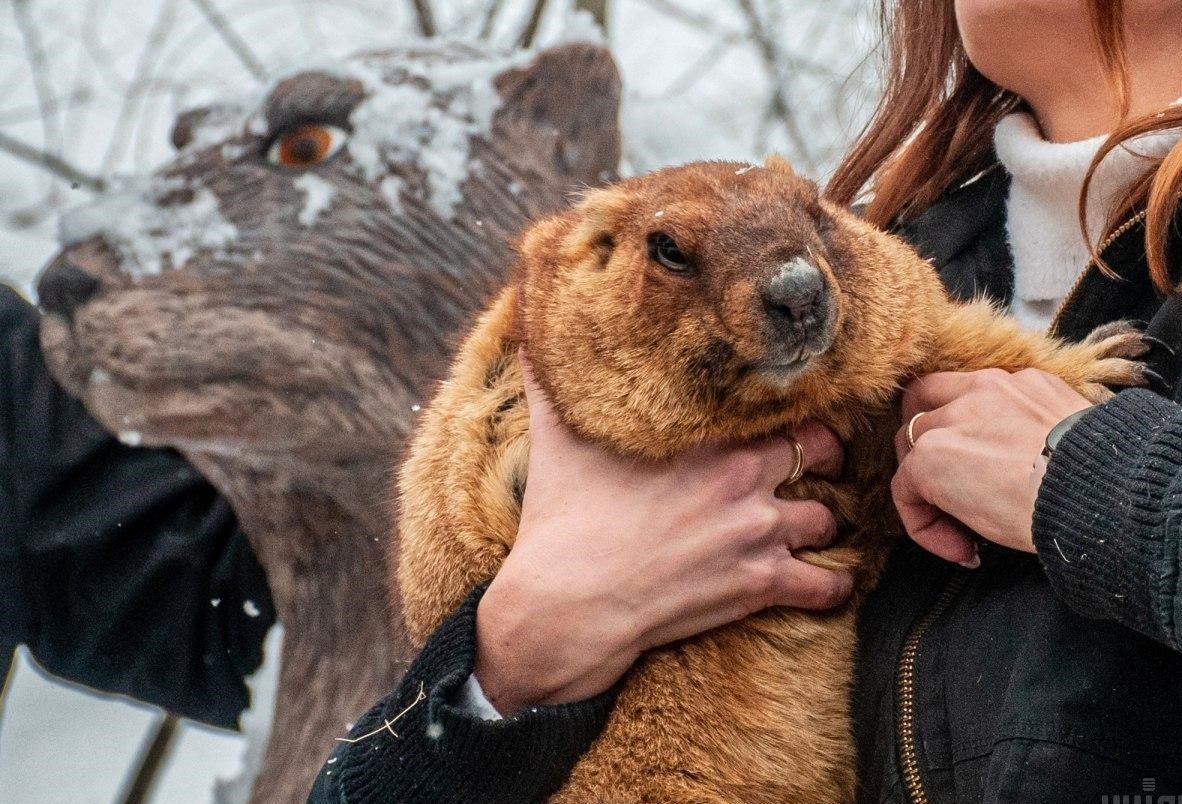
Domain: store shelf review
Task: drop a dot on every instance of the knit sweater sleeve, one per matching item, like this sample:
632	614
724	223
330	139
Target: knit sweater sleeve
1108	518
437	751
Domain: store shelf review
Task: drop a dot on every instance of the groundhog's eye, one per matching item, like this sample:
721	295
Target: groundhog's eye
306	145
664	249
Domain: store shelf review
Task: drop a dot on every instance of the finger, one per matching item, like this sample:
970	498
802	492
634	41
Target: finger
806	586
544	422
782	458
791	583
928	526
533	390
823	454
803	524
901	447
937	390
946	538
919	423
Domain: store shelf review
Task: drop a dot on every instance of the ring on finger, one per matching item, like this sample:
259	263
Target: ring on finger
798	471
910	434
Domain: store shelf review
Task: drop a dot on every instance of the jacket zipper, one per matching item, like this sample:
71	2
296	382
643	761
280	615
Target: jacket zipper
905	697
1053	329
905	714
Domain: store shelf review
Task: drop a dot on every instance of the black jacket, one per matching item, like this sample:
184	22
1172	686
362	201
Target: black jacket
1048	678
121	568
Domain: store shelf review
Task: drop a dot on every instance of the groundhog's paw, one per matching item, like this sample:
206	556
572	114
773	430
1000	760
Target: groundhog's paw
1115	372
1119	339
1114	351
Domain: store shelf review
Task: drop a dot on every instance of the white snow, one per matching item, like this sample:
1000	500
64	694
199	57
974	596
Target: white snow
150	234
318	197
423	114
232	151
391	190
223	121
251	609
132	438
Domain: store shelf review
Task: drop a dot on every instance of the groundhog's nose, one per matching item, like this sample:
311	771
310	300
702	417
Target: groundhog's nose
795	295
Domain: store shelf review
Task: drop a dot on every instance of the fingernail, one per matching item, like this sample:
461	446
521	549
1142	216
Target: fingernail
974	562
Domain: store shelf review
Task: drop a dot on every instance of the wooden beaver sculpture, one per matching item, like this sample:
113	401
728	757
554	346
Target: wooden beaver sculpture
710	301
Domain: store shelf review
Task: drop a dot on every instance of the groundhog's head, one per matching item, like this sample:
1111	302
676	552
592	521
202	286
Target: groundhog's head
713	300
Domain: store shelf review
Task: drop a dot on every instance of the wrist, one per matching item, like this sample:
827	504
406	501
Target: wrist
1056	433
530	652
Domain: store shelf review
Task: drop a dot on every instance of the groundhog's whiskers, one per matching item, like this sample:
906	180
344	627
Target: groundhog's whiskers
389	724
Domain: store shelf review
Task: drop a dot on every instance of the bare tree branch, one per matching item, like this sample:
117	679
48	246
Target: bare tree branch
779	106
695	20
237	45
491	10
530	32
19	114
597	9
49	162
424	17
39	68
158	744
140	82
692	74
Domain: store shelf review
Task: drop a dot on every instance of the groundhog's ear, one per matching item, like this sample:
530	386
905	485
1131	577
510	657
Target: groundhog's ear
598	219
780	164
545	236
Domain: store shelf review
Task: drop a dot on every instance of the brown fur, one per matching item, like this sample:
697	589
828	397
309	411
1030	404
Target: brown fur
650	363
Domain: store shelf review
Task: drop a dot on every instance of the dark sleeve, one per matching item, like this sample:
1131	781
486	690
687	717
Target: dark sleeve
122	568
439	754
1108	519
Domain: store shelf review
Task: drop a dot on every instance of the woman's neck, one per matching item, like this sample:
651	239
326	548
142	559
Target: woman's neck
1079	106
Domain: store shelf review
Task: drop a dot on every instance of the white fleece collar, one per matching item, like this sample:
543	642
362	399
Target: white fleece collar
1041	213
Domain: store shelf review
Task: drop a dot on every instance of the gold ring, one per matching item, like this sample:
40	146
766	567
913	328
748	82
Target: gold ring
798	472
911	429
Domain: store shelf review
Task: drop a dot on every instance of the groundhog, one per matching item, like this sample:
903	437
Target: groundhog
712	301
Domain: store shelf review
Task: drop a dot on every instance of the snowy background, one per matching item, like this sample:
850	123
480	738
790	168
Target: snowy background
89	88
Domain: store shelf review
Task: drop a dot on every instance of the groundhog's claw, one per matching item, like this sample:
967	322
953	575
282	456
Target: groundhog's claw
1120	339
1158	343
1156	382
1114	351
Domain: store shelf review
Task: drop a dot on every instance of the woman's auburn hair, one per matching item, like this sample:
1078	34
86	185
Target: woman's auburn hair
925	136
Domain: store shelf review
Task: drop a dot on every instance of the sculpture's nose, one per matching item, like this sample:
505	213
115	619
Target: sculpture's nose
63	286
795	295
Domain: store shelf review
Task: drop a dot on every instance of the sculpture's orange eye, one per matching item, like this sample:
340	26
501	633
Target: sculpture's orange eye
306	145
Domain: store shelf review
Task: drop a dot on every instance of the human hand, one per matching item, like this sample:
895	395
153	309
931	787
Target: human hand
615	556
976	465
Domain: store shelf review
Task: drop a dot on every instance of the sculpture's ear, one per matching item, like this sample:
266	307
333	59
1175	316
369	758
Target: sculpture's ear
571	92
